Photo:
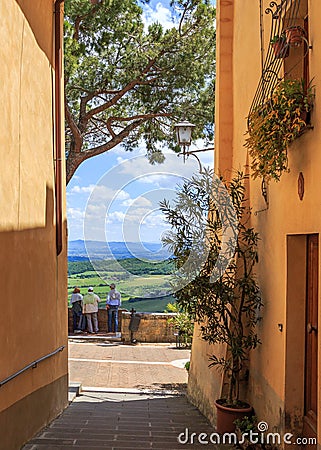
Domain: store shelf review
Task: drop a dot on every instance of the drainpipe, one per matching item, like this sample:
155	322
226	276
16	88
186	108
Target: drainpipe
58	120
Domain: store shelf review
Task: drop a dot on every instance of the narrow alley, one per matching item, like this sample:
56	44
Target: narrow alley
131	397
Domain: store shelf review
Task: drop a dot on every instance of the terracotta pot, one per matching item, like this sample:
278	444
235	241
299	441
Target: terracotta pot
226	416
294	35
280	48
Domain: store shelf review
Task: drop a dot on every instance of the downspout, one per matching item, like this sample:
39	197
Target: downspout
58	120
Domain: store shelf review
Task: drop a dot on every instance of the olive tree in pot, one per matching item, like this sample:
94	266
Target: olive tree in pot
215	251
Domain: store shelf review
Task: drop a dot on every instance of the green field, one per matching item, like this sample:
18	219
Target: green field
148	282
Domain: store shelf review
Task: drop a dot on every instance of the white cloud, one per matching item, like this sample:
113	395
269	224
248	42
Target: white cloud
116	217
139	201
75	213
161	15
82	189
101	193
155	220
136	185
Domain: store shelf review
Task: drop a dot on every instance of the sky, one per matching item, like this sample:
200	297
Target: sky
115	196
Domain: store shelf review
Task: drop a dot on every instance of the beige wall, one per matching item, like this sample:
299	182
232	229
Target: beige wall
204	384
33	278
276	368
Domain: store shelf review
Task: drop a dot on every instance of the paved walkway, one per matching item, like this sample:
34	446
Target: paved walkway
115	412
113	365
97	421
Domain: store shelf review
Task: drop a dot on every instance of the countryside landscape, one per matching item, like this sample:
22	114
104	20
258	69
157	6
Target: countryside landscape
144	283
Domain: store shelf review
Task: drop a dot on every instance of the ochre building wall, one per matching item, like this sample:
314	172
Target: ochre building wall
276	371
33	278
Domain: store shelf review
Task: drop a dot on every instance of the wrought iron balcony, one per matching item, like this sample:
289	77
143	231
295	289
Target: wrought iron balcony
287	31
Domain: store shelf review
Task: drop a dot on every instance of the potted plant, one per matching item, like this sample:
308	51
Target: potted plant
280	46
216	283
273	126
295	35
245	428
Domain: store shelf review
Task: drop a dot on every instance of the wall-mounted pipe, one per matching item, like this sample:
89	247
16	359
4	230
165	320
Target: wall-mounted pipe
58	119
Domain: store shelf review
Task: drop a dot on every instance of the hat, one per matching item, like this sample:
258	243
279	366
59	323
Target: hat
90	289
76	290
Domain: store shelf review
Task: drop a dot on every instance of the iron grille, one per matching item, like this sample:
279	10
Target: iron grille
284	16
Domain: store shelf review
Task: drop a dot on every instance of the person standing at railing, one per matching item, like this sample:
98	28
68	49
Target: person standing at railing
79	321
112	304
90	309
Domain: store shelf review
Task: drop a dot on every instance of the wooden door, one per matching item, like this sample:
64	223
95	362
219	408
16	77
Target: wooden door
311	339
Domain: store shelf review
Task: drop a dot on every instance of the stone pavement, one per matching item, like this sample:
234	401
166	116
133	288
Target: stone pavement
96	421
113	365
132	399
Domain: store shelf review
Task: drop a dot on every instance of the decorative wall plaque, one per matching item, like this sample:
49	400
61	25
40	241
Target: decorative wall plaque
301	186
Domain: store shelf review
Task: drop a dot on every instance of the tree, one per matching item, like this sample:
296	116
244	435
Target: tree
127	84
216	284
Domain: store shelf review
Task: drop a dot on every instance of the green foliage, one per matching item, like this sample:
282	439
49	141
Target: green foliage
225	306
182	322
136	280
246	424
125	83
275	125
275	39
132	265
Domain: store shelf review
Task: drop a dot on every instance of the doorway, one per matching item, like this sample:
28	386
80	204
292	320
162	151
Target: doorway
311	339
301	335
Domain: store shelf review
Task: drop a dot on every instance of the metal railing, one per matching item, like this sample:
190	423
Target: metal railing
32	365
284	15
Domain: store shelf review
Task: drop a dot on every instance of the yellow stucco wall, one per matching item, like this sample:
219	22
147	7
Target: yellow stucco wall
276	367
33	278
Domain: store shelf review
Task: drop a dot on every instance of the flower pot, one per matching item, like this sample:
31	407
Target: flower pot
294	35
280	48
226	416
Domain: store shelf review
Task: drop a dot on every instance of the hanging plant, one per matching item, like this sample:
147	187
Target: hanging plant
272	127
280	46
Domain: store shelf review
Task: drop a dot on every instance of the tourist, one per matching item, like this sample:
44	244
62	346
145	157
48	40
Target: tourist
90	309
79	320
112	304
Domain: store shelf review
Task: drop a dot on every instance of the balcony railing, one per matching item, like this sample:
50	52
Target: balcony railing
284	17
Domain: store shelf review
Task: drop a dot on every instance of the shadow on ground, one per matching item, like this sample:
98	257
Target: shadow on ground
126	421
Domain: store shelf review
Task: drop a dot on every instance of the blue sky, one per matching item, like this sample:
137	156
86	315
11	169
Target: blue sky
115	196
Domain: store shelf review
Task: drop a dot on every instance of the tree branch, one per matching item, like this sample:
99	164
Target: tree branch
121	93
76	134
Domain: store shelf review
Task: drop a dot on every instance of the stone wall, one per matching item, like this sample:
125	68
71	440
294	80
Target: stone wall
102	319
153	327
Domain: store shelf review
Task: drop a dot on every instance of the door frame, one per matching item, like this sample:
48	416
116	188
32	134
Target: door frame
295	342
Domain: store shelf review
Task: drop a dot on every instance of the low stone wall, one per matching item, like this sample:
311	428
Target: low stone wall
102	319
153	327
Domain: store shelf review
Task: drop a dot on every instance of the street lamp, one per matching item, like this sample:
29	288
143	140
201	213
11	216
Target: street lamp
184	139
184	133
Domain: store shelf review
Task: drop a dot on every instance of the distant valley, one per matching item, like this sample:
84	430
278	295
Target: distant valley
142	272
83	250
